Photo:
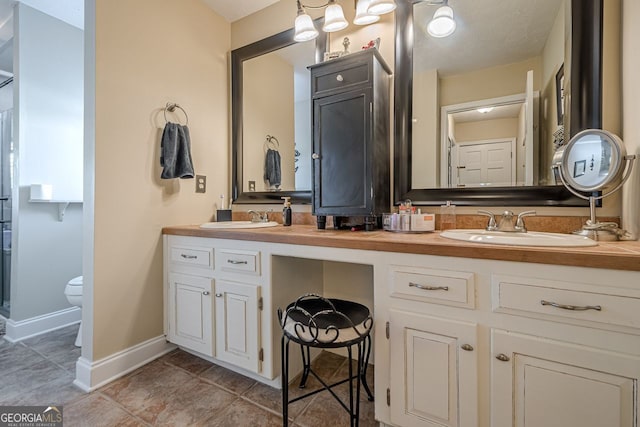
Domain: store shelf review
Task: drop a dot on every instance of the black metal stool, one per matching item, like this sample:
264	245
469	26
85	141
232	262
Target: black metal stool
314	321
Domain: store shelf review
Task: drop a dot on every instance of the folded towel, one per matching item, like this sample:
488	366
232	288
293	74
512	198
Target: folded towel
272	168
175	152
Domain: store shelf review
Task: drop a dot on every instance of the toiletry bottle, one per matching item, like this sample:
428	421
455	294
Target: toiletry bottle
286	211
447	216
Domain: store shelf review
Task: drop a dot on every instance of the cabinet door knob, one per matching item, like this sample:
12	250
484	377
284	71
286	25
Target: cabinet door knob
315	156
219	295
339	78
503	357
205	293
467	347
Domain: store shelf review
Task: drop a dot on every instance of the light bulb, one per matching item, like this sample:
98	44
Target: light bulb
442	24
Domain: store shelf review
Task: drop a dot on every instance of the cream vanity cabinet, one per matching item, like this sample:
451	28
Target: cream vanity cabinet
491	343
213	299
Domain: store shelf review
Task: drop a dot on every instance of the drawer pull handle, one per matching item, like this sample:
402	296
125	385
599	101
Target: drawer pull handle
502	357
339	78
428	288
185	256
467	347
205	293
236	262
572	307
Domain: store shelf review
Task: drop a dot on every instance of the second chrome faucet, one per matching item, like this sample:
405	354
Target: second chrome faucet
506	221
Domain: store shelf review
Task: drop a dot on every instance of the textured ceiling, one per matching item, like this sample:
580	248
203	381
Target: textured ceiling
488	33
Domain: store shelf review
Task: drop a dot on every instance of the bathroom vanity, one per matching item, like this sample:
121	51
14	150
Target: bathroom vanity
464	335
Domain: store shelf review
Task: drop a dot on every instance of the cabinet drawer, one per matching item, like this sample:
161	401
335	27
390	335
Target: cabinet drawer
238	261
434	286
197	256
340	79
566	300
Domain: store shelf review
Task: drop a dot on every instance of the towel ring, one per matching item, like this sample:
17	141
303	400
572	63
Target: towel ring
171	107
272	142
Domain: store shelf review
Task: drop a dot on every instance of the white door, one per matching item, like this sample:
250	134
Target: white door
434	371
238	324
538	382
191	312
486	163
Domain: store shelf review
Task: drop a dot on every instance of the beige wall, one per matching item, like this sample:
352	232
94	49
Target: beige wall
491	82
150	52
486	129
425	154
268	110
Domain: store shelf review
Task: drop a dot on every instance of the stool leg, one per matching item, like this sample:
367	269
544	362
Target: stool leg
359	377
285	381
306	365
365	364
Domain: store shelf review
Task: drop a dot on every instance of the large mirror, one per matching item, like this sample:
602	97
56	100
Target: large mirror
271	118
479	114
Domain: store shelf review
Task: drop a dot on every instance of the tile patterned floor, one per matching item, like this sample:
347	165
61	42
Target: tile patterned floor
178	389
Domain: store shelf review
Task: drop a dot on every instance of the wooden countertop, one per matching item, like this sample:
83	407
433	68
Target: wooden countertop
613	255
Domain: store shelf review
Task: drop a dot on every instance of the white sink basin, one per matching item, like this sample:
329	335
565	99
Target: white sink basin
238	224
531	238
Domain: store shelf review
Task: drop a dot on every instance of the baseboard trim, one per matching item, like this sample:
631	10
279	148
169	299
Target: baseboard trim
23	329
93	375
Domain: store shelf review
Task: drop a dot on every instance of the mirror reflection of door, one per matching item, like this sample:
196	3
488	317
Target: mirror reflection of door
481	163
490	142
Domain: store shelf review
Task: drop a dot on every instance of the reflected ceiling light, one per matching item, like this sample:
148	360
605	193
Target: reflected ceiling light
363	17
484	110
380	7
442	24
334	20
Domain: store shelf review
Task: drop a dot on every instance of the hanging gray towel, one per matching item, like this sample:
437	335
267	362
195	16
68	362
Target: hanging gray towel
272	167
175	152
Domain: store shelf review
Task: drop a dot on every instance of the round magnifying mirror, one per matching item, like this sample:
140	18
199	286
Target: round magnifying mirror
592	160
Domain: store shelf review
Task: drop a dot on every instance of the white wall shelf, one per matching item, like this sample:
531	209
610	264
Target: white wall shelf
62	205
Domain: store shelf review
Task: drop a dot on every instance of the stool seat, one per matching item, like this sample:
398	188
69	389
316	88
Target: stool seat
315	321
326	323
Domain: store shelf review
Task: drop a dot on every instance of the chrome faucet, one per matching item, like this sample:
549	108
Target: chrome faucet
257	216
506	221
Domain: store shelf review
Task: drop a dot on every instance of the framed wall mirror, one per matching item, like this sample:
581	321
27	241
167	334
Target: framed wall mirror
271	118
476	118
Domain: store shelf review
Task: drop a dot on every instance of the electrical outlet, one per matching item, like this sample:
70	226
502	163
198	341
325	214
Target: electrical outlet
201	183
252	186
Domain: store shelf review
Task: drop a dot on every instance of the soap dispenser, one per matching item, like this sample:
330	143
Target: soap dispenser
286	211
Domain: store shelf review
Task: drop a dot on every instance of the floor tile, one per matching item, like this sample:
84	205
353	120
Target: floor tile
159	393
243	413
58	392
187	361
97	411
14	357
19	382
227	379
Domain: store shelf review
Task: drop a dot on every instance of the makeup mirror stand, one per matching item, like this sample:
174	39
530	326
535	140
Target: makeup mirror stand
604	231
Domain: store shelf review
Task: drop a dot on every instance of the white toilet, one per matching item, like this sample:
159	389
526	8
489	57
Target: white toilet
73	292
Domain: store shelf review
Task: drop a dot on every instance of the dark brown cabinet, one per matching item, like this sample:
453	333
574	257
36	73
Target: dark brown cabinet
351	163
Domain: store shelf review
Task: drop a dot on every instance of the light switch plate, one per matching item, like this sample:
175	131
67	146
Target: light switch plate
201	183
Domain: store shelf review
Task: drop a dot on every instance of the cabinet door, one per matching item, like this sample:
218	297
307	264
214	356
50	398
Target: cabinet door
433	371
190	312
341	143
238	324
539	382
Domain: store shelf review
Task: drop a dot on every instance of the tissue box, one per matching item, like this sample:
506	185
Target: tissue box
223	215
41	192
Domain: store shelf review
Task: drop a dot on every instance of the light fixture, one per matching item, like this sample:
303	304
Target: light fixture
363	17
484	110
334	19
380	7
442	23
304	28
